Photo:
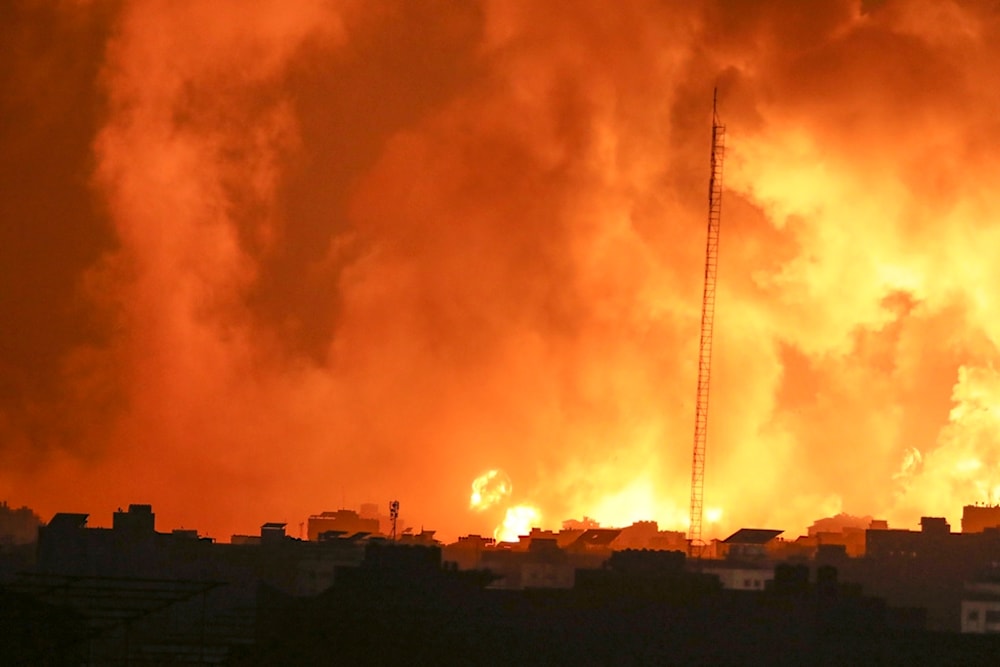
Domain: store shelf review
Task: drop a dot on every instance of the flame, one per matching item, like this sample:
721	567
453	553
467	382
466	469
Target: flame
912	460
517	521
489	489
965	466
640	499
493	489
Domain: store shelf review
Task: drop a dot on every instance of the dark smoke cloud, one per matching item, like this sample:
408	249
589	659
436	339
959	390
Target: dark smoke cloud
52	230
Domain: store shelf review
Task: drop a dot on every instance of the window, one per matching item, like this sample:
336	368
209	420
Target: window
993	615
974	615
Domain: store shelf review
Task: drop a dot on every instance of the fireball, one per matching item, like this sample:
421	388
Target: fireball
490	489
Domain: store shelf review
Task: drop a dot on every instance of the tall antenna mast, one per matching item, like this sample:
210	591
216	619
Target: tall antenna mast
707	323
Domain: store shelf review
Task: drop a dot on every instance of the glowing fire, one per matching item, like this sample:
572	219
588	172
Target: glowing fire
639	499
912	459
489	489
517	521
493	489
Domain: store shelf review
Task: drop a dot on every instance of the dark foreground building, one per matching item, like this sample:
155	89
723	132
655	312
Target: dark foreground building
403	606
133	595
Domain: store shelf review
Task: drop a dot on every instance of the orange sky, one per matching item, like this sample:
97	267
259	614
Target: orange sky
260	261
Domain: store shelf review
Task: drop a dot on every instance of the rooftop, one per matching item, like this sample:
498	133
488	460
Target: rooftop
752	536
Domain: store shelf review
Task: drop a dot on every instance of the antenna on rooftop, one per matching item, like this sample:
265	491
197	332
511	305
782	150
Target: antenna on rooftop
394	516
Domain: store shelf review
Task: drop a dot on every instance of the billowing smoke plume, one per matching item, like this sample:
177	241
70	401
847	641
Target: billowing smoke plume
286	256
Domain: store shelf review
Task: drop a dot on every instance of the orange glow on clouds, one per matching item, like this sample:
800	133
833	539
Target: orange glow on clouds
309	254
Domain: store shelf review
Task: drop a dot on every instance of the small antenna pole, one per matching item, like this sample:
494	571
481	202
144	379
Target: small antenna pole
394	516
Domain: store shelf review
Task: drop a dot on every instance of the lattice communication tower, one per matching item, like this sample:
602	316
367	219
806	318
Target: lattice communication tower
707	323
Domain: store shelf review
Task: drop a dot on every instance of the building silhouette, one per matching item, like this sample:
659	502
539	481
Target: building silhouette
130	593
341	522
977	518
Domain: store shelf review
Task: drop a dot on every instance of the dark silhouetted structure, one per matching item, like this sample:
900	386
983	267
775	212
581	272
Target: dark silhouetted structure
343	521
977	518
404	606
18	526
173	594
707	324
748	544
18	540
132	595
